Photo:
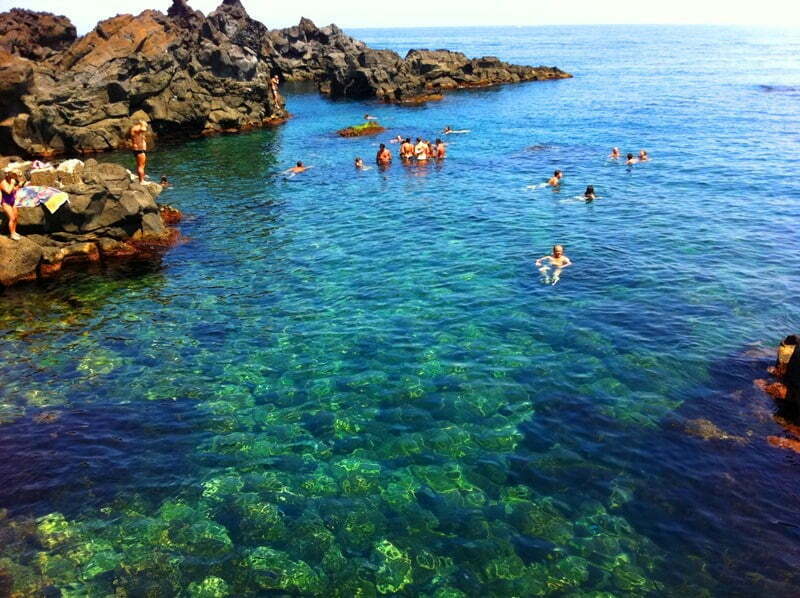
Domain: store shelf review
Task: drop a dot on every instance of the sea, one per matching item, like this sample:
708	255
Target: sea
358	383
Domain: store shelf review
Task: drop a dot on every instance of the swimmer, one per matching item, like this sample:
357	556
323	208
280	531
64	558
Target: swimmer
421	150
557	260
589	195
643	156
407	149
298	168
614	155
398	139
359	164
369	117
441	150
164	182
384	156
630	160
449	131
555	180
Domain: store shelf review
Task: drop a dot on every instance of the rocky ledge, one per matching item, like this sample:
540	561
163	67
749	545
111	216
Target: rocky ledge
191	74
108	217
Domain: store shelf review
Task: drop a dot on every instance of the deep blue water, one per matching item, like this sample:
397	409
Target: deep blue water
355	382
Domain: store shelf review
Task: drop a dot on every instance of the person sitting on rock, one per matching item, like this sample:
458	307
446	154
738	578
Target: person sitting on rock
8	188
384	156
139	147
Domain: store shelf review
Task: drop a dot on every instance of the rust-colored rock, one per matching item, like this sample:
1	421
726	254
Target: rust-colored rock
784	443
35	35
365	130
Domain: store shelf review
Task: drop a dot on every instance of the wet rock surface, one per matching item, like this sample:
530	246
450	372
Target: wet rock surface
108	216
190	74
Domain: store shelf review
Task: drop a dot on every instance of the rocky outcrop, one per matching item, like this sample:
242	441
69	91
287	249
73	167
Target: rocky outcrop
185	73
190	74
108	216
364	130
347	68
35	35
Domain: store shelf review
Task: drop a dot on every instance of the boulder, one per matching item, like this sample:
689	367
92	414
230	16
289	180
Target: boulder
18	260
35	35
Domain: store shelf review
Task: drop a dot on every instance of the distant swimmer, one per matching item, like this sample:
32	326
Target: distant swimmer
441	150
589	195
557	261
421	150
359	164
449	131
384	156
298	168
643	156
630	160
370	117
555	180
165	182
398	139
614	155
407	149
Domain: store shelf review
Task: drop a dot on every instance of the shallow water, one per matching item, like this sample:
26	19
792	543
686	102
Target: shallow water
348	383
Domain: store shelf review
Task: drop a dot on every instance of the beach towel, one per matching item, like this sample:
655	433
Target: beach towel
31	196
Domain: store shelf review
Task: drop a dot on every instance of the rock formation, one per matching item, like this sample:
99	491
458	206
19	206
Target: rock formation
109	216
190	74
185	73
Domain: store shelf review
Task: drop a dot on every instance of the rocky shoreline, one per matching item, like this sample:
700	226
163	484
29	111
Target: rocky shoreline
109	217
189	74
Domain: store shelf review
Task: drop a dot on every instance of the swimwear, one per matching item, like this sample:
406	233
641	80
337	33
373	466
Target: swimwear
8	199
138	152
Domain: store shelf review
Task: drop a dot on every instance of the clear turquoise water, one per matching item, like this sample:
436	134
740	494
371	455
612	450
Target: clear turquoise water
354	383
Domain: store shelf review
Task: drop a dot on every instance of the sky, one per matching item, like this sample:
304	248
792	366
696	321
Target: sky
351	14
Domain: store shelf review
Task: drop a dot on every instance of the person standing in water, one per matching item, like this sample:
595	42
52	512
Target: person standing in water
8	190
421	150
407	149
138	138
555	180
557	261
441	150
384	156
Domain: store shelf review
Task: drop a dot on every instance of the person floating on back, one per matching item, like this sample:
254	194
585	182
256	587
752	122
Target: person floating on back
555	180
557	261
384	156
138	141
589	195
614	155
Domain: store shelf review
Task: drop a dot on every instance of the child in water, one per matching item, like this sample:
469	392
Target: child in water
557	261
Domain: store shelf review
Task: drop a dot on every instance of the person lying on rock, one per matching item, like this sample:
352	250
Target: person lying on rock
8	188
139	146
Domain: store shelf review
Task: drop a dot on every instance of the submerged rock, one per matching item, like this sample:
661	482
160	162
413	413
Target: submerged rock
708	430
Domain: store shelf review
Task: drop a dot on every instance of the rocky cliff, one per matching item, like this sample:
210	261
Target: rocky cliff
109	216
191	74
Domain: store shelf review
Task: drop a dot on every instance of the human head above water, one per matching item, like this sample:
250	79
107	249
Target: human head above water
558	250
589	190
383	146
630	155
299	163
557	173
